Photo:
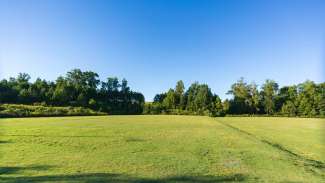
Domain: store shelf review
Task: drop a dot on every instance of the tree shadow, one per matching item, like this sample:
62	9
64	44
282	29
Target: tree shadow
14	170
5	141
7	175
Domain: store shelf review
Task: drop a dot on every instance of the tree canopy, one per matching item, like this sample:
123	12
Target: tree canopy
84	89
76	88
306	99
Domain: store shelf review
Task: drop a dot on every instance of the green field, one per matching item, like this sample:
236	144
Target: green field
162	149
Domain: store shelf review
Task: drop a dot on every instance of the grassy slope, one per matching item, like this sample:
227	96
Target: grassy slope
302	136
157	148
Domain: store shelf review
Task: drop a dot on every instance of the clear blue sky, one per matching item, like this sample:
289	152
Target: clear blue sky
155	43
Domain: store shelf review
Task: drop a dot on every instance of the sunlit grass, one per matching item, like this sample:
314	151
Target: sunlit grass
159	149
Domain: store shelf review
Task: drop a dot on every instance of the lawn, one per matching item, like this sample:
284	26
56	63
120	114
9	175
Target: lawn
161	149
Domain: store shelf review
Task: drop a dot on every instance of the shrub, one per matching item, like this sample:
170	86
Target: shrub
18	110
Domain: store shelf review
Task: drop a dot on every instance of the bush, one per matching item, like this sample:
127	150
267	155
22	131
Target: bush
18	110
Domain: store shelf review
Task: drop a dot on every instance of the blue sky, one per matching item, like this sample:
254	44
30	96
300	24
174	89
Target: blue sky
154	43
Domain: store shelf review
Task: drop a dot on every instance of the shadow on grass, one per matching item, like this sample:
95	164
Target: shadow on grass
119	178
4	142
15	170
7	175
58	136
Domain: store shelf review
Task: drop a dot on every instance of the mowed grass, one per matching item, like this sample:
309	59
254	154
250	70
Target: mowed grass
161	149
303	136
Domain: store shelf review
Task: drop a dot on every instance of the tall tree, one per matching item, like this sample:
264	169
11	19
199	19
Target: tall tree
270	89
307	99
254	98
170	100
159	98
124	86
179	94
241	102
217	109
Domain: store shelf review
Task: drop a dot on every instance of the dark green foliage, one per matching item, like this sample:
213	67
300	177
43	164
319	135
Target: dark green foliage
217	107
159	98
197	100
305	100
309	98
77	89
84	89
246	100
170	100
270	89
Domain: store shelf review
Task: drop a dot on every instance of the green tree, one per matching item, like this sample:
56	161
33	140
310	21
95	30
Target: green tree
170	100
203	100
242	100
179	94
253	98
308	99
226	106
190	95
321	99
269	90
289	109
124	86
285	94
7	93
113	84
217	107
63	93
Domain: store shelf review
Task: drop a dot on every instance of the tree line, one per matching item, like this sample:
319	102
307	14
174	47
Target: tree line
306	99
76	88
84	89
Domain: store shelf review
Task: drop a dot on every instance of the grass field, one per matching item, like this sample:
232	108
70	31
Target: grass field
162	149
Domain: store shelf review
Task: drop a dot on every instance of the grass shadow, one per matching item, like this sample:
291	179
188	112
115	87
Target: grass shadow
8	175
59	136
14	170
120	178
5	142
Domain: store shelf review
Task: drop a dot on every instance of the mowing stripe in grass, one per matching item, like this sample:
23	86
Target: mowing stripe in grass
310	163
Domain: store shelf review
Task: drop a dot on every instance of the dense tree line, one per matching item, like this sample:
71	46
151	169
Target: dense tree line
197	99
84	89
77	88
305	99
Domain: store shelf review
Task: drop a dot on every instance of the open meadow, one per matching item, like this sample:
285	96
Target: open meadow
162	149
